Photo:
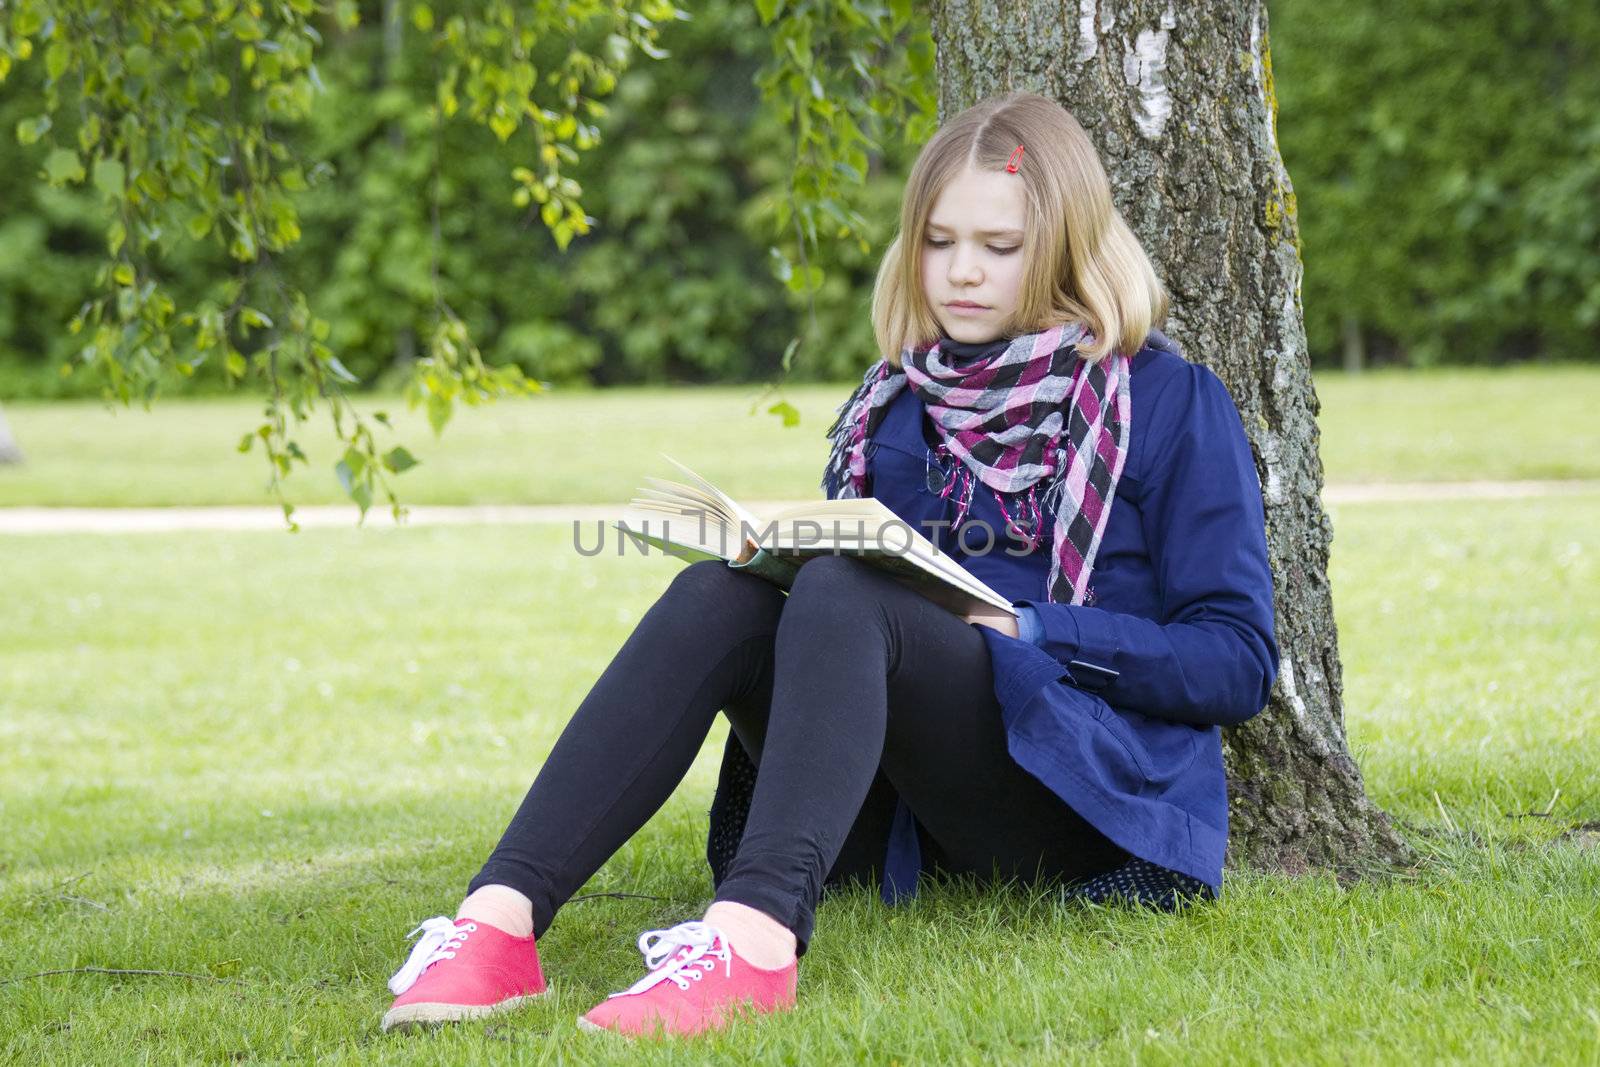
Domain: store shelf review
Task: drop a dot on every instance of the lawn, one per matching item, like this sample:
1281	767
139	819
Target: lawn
1459	424
263	758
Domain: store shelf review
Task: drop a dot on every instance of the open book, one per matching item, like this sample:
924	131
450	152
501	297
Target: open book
698	521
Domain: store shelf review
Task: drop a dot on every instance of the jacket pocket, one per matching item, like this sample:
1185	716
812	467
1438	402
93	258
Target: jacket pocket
1113	724
1161	750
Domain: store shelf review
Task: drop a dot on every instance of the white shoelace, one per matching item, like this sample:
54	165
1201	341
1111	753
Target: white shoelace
681	955
439	941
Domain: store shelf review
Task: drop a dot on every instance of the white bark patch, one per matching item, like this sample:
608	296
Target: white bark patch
1290	692
1088	40
1260	74
1255	48
1146	68
1271	446
1282	371
1286	360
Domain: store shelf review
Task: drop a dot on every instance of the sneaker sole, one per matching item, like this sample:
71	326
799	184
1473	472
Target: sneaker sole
424	1013
595	1028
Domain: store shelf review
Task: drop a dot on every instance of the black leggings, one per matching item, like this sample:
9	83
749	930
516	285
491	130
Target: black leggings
845	691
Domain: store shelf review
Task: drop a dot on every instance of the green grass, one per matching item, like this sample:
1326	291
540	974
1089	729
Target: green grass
1461	424
266	757
564	446
559	447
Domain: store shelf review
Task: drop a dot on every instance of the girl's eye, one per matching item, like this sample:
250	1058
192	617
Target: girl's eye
934	242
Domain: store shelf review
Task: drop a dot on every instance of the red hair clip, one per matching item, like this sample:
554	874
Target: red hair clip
1016	157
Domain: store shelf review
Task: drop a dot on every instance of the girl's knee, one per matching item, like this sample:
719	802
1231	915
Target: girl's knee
832	570
837	585
702	574
710	585
832	576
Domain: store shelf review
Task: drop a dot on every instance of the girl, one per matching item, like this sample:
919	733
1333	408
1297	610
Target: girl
1029	419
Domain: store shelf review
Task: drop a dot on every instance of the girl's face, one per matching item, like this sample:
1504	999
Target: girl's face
972	254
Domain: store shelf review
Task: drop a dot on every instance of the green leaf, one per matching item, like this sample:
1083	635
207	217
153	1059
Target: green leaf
341	372
342	471
438	412
246	442
56	58
791	415
137	60
398	460
781	265
62	165
246	28
109	176
189	40
355	463
30	130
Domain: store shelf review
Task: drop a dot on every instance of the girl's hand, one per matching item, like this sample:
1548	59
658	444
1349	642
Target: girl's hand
1005	622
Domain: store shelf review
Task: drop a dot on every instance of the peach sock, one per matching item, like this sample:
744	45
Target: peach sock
760	939
501	907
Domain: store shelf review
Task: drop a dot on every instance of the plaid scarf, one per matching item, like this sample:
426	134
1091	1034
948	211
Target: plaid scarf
1033	422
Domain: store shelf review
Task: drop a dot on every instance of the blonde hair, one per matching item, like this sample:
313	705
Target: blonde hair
1082	262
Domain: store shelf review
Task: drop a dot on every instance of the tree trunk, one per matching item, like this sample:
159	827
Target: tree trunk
10	452
1179	100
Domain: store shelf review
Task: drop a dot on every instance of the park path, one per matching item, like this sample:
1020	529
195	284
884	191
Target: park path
38	520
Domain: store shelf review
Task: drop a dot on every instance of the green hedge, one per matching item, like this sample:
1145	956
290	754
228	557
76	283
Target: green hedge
1446	161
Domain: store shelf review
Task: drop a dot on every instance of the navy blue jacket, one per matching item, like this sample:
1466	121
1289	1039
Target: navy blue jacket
1118	709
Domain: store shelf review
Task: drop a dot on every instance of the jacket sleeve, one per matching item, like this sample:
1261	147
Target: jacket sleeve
1212	657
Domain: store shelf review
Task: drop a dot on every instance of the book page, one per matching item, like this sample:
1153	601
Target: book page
676	535
730	505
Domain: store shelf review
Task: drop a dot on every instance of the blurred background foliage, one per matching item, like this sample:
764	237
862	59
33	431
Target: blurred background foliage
1446	157
1446	161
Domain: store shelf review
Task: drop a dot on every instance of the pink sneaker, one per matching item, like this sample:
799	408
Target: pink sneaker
696	983
463	969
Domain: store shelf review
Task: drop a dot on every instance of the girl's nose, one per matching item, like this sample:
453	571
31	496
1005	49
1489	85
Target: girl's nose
964	267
